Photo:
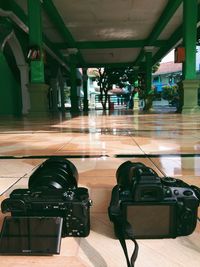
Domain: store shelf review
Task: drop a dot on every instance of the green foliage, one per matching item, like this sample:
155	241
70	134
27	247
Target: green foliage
155	67
107	76
168	92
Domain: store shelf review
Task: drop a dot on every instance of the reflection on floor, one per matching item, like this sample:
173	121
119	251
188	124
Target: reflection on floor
97	144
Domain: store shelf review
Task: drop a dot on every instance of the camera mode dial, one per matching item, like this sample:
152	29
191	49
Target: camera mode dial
68	195
169	181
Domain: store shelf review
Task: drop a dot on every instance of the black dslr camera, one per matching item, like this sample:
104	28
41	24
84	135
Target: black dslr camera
154	207
53	192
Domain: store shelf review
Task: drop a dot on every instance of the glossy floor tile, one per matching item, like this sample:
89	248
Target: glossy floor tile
97	145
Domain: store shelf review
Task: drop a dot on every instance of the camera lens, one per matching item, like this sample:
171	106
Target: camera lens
55	173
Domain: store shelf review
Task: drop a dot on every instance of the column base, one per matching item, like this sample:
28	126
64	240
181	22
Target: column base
85	105
39	101
74	105
136	104
190	97
190	110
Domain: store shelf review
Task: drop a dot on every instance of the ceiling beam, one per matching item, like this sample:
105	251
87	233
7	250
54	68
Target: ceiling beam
60	25
12	6
115	44
111	44
167	14
173	40
18	11
165	17
56	51
111	65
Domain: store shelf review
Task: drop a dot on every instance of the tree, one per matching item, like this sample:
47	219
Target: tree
155	67
107	76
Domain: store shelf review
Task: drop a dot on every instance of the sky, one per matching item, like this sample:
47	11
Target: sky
169	57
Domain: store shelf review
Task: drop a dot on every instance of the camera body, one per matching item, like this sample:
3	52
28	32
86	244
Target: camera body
154	207
72	205
53	192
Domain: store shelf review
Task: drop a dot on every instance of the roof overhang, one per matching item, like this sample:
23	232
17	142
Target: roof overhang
110	33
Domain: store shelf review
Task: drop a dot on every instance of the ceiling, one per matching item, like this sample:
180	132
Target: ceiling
108	32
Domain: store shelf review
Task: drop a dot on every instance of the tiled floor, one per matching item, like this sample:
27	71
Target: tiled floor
97	144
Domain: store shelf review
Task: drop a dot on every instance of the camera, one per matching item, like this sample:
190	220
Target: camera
53	192
154	207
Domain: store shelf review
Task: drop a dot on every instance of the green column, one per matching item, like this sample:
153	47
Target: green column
38	90
148	72
73	80
35	41
54	94
190	82
54	84
85	89
148	57
135	75
62	93
189	37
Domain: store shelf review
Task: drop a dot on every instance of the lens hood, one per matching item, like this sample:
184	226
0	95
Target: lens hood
58	173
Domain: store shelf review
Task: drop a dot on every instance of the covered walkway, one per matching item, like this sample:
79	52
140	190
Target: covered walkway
97	144
48	45
44	42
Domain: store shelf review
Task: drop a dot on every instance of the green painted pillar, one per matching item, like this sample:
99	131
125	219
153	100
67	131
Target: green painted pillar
85	90
73	80
135	84
190	8
148	57
54	95
149	96
54	85
62	93
190	82
38	90
135	75
35	41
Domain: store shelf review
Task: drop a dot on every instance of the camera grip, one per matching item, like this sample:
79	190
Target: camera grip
114	207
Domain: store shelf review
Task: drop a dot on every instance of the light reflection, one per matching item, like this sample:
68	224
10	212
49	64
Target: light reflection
165	148
197	166
171	166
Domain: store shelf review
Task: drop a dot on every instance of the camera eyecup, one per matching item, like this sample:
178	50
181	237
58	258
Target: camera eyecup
125	173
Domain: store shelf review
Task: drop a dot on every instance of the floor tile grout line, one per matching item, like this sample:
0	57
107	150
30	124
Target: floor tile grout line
102	155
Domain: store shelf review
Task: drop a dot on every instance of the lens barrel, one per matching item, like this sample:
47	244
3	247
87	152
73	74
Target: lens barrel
54	173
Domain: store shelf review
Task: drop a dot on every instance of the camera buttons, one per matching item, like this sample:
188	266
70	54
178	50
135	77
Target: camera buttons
187	193
68	195
90	202
176	192
167	192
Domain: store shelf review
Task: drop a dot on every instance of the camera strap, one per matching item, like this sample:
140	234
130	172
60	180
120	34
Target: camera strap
122	229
